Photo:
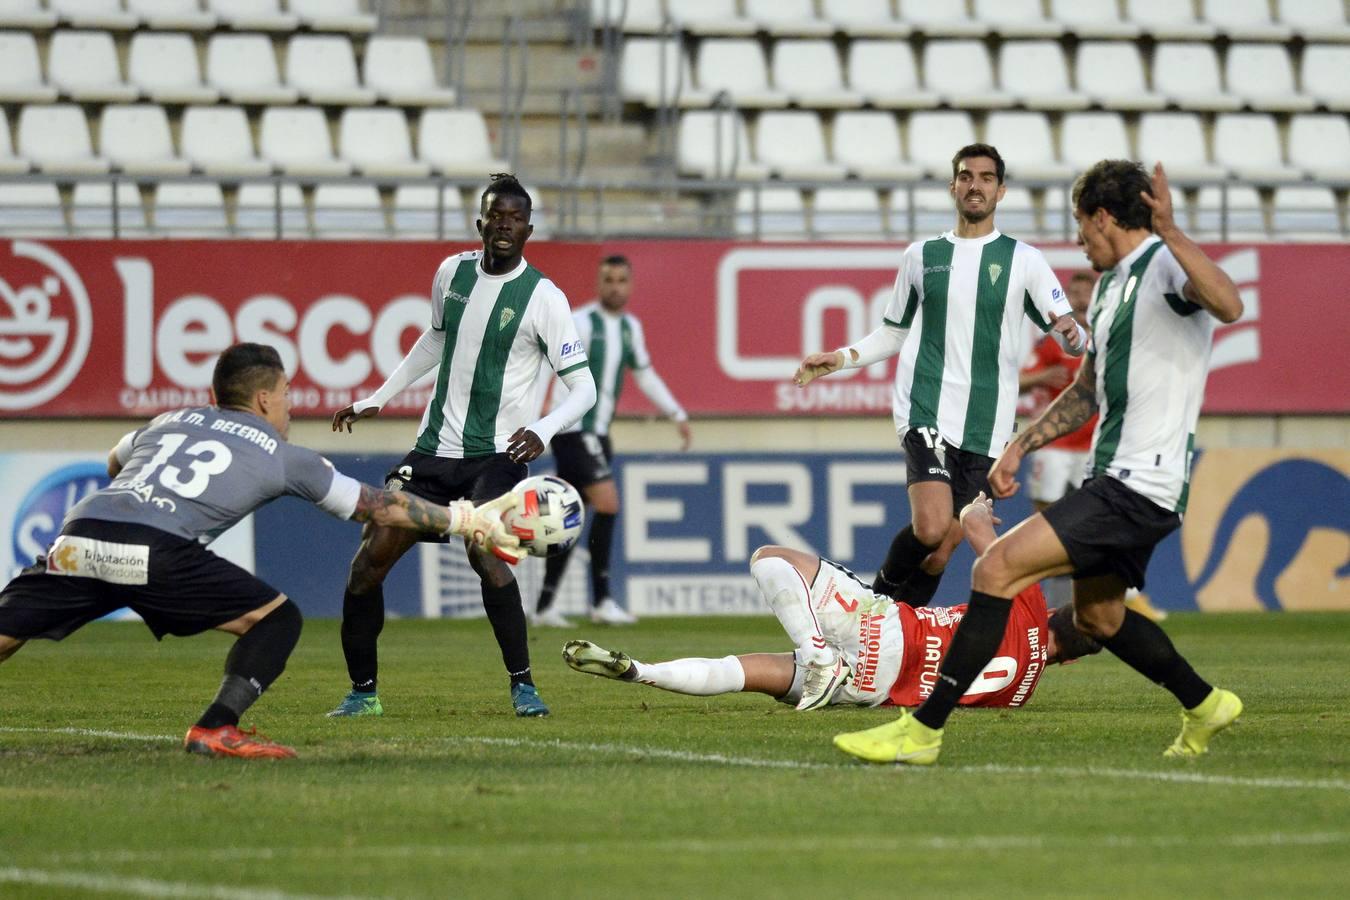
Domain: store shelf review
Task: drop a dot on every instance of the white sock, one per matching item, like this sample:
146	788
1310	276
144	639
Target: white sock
700	677
785	589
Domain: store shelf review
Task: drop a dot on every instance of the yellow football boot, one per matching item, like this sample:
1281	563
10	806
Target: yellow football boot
1219	710
905	740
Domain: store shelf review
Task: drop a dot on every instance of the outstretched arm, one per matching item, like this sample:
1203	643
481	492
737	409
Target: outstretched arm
881	344
421	359
480	524
1206	284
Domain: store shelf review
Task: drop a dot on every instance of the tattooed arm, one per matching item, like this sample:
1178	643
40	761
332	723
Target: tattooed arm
480	524
1069	412
398	509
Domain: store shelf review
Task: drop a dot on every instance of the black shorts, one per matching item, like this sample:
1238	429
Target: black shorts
583	458
187	589
1109	529
929	458
440	479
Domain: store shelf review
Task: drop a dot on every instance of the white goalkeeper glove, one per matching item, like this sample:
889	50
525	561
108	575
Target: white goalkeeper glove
483	526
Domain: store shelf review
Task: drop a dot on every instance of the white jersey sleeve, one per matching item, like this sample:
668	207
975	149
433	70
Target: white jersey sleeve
1043	288
556	330
440	289
905	293
641	358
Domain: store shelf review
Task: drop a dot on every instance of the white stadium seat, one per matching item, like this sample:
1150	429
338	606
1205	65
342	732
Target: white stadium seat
942	19
1168	20
631	16
244	69
9	163
792	145
253	15
164	67
20	73
1017	212
1316	20
376	142
31	209
884	72
1092	19
1017	18
1057	222
1036	74
641	63
83	66
455	142
256	211
847	213
26	14
217	140
1245	20
868	144
935	136
173	15
1262	76
1177	140
714	144
1324	75
1249	145
1320	146
1188	75
189	209
56	139
1112	74
333	15
1086	137
781	213
91	210
809	71
295	139
709	17
787	18
932	209
1024	141
1306	212
737	66
415	208
400	71
961	73
323	69
1246	218
348	211
136	139
864	18
93	14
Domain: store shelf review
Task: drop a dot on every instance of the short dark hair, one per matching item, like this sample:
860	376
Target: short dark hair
616	259
1071	642
1114	185
242	371
973	150
504	184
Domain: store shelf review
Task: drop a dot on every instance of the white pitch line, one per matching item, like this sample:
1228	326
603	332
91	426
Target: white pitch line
147	887
92	732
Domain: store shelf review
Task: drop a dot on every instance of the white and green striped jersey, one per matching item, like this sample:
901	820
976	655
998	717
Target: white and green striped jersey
963	300
1150	348
498	330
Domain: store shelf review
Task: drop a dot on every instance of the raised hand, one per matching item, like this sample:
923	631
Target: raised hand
1160	201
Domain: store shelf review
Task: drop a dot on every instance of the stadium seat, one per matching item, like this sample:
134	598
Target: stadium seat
1017	213
1262	76
1320	146
885	74
163	66
107	14
1112	74
932	209
847	213
20	73
253	15
31	209
295	139
9	163
640	79
173	15
1245	20
415	212
781	213
709	17
867	143
348	211
136	140
323	69
91	210
1316	20
1246	220
56	139
1035	73
1306	212
1249	145
189	209
26	14
455	142
1092	19
83	66
792	145
961	73
1168	20
217	140
1188	75
1024	141
1178	141
333	15
244	69
787	18
400	71
1057	222
737	66
376	142
1087	137
1324	75
1017	18
941	19
631	16
714	144
810	73
256	211
864	18
935	136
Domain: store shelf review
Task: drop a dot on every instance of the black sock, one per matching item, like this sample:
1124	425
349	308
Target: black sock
362	622
601	540
919	589
554	567
902	560
508	625
255	661
974	644
1147	649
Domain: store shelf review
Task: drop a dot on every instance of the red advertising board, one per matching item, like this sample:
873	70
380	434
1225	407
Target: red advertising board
129	328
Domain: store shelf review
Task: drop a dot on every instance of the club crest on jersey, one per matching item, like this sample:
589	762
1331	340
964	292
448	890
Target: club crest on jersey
995	270
507	315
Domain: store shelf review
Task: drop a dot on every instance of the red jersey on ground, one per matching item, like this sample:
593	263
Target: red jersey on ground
1049	353
1008	680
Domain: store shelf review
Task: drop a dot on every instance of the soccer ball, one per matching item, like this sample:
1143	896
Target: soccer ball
550	519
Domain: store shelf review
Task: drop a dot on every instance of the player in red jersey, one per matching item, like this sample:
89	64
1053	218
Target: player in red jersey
858	647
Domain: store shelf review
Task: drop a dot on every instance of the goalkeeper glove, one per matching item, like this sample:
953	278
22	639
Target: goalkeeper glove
483	526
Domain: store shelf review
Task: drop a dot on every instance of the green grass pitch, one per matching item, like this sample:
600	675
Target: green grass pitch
629	791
